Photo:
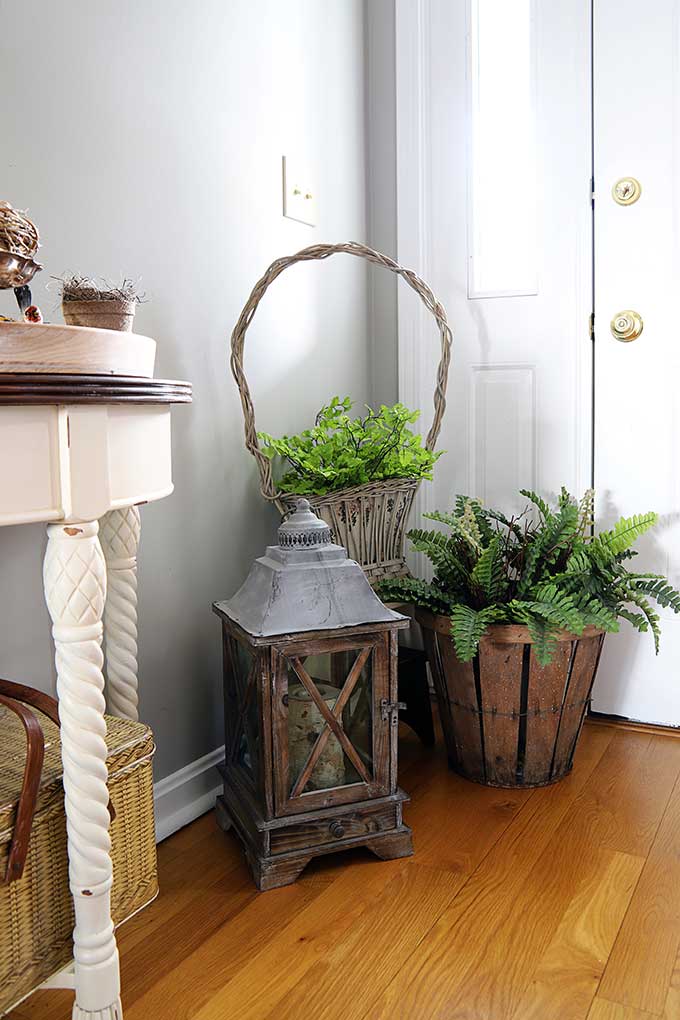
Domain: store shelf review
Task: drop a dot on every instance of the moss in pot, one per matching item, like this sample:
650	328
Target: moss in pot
514	621
87	302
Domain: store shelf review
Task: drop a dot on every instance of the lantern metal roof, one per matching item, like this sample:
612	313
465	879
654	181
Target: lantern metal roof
305	583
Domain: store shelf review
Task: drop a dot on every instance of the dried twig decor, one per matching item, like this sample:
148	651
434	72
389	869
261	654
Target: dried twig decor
85	288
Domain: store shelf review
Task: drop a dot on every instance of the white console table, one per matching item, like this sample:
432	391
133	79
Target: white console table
82	453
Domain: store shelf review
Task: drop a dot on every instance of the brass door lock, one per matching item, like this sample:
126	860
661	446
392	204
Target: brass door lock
626	191
626	326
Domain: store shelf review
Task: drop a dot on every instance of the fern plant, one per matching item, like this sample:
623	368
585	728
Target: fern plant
341	451
543	568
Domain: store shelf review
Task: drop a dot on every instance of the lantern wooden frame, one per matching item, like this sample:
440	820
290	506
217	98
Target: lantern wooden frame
282	828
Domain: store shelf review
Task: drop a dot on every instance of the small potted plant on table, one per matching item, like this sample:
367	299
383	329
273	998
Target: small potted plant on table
514	621
86	302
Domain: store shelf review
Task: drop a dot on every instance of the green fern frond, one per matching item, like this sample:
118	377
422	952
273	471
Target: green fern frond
442	553
468	626
652	617
552	540
411	589
557	607
437	515
558	618
596	614
541	504
625	532
660	590
489	573
638	620
543	633
578	563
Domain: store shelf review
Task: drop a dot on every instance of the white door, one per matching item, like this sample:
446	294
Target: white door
637	268
494	179
494	183
495	157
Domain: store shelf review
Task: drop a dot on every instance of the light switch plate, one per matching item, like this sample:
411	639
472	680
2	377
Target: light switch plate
299	192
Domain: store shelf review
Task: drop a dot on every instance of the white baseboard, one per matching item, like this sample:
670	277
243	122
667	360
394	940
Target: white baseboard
187	794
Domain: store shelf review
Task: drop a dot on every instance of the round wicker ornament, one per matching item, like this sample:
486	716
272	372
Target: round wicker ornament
19	242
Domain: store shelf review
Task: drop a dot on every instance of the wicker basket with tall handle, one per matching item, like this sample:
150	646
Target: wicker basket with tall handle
370	519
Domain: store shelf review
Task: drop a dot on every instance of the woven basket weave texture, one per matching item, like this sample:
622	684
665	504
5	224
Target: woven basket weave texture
36	912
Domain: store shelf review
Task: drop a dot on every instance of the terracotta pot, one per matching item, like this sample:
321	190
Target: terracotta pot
507	720
114	314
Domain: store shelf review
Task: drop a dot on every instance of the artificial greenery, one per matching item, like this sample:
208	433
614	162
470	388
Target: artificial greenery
341	451
543	568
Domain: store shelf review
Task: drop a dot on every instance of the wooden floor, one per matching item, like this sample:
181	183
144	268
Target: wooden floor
557	904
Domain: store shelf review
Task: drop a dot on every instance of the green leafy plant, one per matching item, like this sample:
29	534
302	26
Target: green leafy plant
341	451
543	568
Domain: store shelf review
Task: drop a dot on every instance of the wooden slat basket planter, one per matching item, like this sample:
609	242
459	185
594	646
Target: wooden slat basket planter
368	520
36	910
507	720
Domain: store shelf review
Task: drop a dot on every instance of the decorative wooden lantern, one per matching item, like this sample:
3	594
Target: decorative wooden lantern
310	683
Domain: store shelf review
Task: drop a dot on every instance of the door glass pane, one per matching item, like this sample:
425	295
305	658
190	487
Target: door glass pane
503	252
330	736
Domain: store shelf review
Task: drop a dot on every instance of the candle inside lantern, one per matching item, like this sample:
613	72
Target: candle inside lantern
305	723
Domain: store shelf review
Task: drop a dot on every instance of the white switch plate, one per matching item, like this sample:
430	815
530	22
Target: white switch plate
299	192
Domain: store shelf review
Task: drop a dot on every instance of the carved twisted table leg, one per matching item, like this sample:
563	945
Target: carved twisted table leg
119	536
74	575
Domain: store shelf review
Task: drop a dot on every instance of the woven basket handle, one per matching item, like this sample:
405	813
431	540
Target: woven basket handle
323	251
15	697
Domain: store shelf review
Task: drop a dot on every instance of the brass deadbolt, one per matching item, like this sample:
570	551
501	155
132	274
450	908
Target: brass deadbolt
626	191
626	326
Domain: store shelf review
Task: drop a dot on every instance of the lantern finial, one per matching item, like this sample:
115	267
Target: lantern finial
303	529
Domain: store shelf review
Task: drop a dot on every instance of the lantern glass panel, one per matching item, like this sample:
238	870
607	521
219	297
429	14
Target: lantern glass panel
330	728
242	720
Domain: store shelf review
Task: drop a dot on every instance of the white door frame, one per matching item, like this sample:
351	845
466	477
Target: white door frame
412	38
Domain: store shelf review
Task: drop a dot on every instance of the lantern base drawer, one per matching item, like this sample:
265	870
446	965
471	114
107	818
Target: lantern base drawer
279	849
366	822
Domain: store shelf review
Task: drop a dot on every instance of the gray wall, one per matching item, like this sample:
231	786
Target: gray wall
146	139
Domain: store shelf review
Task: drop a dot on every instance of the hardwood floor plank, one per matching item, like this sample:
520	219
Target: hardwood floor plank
456	822
180	992
466	965
672	1005
283	961
567	977
625	807
374	949
602	1009
642	962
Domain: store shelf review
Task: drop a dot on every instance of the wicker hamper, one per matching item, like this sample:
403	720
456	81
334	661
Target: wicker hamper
36	913
368	520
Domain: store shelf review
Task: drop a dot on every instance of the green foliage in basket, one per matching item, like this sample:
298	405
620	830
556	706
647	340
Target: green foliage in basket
543	568
341	451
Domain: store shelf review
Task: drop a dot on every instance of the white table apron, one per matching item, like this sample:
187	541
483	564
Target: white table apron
84	468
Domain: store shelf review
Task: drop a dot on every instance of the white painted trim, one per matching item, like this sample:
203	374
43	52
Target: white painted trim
187	794
412	31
